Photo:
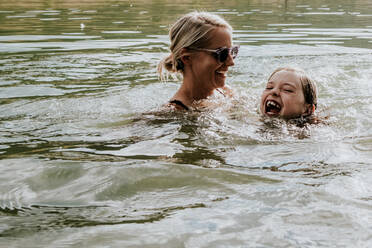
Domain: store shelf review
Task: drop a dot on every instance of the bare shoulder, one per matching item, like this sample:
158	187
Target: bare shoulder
176	105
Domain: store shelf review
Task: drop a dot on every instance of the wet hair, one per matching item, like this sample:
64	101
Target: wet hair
308	85
191	30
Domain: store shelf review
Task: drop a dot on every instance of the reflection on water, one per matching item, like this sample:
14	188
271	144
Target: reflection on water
90	158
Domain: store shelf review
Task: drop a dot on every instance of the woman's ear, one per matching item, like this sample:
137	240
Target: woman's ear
185	56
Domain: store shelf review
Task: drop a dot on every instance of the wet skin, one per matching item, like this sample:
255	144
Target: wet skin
283	96
204	69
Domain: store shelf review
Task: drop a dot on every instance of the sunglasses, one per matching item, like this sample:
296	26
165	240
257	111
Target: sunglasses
222	53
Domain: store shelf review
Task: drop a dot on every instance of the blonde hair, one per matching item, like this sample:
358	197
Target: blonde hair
191	30
308	85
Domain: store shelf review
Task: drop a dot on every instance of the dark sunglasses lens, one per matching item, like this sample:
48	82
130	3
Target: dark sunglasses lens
224	53
234	51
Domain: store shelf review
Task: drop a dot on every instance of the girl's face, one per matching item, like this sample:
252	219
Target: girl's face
207	71
283	96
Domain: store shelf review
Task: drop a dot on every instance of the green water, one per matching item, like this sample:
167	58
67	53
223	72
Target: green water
88	159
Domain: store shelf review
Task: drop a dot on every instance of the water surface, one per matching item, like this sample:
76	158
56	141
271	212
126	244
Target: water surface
90	159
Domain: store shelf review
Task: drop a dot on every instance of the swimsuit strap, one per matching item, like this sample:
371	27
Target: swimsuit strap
177	102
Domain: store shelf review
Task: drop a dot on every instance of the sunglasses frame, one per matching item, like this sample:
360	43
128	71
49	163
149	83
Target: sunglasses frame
217	52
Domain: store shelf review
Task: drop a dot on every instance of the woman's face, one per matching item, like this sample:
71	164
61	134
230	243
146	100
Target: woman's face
207	71
283	96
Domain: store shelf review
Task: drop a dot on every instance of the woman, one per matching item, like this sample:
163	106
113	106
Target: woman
202	51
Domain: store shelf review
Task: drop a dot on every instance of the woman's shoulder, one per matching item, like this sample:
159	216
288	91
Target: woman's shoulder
177	104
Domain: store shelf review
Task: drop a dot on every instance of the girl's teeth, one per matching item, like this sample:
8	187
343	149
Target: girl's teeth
273	104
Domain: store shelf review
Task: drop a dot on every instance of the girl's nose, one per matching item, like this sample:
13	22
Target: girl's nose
275	92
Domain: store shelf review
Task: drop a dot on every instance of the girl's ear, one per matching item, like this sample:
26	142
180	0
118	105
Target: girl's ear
310	109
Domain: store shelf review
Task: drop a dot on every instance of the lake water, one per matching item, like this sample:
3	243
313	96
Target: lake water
89	159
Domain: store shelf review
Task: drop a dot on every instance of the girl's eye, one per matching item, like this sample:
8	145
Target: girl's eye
288	90
269	88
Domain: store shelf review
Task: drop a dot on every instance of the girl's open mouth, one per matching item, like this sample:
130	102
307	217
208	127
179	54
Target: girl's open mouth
272	108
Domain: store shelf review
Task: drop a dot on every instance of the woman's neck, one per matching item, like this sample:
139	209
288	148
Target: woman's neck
191	91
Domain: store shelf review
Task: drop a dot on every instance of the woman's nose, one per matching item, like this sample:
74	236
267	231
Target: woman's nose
230	60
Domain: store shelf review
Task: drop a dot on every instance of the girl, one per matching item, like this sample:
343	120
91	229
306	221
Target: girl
289	94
